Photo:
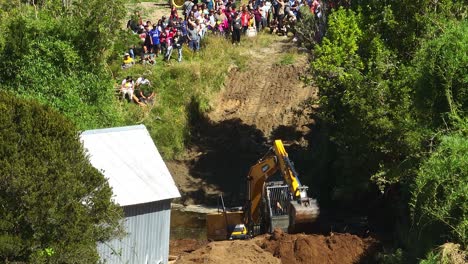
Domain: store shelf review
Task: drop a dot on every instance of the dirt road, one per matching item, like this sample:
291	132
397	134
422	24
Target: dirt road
269	93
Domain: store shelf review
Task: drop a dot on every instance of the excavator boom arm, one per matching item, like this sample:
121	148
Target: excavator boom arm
257	176
287	168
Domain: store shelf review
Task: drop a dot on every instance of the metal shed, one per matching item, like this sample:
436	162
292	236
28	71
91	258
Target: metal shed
142	185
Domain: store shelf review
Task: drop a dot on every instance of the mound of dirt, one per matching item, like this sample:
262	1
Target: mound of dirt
280	247
229	252
180	247
301	248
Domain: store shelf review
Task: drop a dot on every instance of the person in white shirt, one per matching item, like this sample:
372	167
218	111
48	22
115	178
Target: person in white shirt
265	10
127	88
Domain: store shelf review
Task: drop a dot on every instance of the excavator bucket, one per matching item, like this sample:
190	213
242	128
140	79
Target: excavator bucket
303	213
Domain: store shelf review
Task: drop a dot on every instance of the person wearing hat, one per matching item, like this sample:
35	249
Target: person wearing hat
127	61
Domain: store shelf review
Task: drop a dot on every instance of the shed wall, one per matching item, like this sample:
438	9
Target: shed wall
147	241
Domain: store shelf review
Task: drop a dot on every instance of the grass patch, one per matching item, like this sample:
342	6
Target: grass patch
287	59
178	85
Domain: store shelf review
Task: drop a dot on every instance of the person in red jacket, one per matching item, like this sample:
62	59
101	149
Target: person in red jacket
169	42
245	18
174	15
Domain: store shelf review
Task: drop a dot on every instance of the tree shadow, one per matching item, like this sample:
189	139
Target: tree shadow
226	150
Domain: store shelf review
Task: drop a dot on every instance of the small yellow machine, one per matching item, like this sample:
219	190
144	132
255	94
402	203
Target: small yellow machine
271	203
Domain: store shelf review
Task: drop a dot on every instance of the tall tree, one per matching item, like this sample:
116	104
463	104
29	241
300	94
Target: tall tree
54	205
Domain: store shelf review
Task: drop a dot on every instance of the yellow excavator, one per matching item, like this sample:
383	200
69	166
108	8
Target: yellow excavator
275	199
276	204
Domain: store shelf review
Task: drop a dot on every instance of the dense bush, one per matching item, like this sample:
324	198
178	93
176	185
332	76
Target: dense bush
55	205
56	56
392	82
440	193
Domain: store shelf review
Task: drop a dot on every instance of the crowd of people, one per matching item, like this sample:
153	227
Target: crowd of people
197	19
222	17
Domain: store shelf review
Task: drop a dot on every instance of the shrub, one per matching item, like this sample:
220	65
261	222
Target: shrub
55	205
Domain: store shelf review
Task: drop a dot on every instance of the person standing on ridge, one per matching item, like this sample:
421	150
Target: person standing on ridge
236	26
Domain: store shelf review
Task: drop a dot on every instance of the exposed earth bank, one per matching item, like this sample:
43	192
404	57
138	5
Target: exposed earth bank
264	101
286	249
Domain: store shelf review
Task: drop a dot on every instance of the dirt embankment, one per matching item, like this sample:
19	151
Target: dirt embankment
229	252
304	249
259	103
268	95
286	249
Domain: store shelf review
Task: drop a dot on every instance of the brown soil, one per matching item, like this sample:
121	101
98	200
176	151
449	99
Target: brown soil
229	252
286	249
258	104
302	249
181	247
267	95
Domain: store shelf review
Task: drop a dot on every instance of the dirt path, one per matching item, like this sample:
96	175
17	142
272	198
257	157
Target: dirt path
268	95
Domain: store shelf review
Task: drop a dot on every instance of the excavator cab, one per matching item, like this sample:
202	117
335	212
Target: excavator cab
239	232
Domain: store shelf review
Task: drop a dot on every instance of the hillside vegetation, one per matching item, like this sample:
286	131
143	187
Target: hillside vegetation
68	57
393	97
393	91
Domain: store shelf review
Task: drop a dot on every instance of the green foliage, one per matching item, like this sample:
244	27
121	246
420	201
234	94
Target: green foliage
178	86
57	56
402	23
287	59
439	74
439	200
55	205
396	257
367	112
57	53
308	27
391	75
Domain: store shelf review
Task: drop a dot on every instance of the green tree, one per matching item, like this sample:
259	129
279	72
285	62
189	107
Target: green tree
57	56
366	111
388	82
55	206
439	74
439	202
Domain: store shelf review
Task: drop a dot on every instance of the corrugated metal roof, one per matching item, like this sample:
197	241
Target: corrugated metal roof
128	157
